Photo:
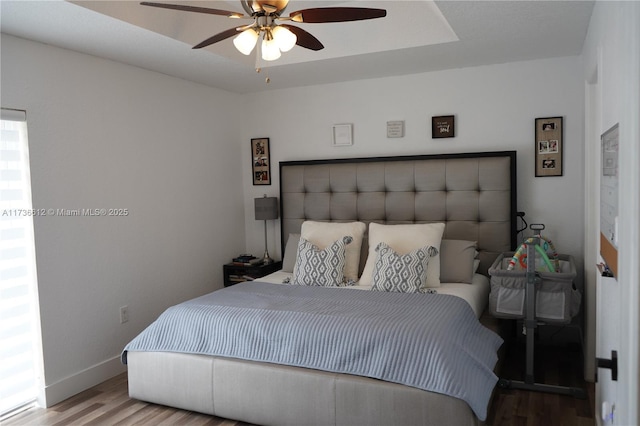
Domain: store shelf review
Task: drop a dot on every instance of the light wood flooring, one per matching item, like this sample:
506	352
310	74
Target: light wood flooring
109	403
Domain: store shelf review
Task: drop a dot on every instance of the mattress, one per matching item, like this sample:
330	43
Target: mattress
428	341
475	294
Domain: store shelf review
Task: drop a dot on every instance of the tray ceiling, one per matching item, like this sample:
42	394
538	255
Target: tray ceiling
416	36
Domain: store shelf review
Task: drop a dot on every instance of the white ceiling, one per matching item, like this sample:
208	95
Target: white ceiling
416	36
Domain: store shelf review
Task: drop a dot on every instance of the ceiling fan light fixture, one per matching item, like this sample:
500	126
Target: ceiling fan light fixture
284	38
246	41
270	49
275	38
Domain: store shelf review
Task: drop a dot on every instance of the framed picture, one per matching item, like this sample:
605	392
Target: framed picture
609	204
342	134
395	129
610	152
443	127
261	162
548	155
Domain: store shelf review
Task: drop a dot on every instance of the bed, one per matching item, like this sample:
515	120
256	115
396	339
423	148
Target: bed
466	197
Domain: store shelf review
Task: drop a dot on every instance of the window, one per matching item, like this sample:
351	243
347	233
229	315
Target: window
20	353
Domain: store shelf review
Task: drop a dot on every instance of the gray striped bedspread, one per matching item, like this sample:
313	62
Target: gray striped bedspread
432	342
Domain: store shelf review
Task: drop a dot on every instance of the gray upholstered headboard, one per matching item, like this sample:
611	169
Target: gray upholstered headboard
474	194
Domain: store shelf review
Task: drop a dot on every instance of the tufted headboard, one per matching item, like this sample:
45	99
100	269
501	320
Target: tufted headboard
474	194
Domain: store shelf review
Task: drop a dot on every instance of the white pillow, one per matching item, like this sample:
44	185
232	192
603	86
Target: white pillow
404	239
323	234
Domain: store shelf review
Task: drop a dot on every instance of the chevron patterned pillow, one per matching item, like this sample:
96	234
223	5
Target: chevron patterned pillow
316	267
406	273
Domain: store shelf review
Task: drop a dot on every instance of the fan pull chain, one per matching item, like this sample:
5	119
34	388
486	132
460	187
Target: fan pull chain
267	80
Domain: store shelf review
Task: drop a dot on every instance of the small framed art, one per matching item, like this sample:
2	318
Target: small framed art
261	162
548	138
342	134
443	127
395	129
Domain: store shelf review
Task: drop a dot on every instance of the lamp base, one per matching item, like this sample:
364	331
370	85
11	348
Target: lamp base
266	260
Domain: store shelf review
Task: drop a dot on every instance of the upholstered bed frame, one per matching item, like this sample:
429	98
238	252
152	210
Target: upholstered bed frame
474	194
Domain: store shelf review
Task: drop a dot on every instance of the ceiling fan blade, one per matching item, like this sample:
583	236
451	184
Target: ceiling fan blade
336	14
216	38
186	8
305	39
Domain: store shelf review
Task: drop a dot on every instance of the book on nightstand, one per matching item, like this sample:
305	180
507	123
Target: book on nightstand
246	260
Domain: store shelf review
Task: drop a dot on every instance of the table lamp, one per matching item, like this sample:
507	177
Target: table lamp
266	208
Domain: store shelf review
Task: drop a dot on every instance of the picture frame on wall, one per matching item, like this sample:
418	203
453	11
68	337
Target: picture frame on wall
548	146
342	135
261	161
443	127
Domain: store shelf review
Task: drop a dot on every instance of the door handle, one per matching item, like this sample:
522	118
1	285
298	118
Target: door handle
610	363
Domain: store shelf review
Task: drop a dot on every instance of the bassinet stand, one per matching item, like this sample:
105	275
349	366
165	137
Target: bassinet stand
530	325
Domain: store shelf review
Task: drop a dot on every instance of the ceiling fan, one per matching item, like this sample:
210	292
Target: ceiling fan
276	37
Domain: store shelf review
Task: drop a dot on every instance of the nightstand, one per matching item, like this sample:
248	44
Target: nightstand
234	273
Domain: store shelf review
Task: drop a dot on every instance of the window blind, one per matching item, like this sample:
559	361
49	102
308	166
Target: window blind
19	318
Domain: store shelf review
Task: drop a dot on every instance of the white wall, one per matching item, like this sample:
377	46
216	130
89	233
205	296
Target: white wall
108	135
495	107
612	68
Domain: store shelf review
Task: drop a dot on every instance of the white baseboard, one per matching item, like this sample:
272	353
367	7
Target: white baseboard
83	380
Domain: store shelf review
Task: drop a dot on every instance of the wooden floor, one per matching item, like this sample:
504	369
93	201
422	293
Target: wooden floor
109	404
555	364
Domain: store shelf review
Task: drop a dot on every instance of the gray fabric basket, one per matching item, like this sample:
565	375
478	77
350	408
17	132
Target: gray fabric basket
557	299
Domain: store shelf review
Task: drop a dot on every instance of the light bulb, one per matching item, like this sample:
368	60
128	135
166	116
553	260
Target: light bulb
284	38
270	50
246	41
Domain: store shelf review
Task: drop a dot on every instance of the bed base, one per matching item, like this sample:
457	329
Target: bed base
271	394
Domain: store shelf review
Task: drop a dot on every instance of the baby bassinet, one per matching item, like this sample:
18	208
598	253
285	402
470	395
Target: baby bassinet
537	298
557	300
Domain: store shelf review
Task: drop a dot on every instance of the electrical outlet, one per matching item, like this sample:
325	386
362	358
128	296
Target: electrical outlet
124	314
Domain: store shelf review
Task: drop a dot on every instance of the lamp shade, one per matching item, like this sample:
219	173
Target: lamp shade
266	208
246	41
270	49
284	38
